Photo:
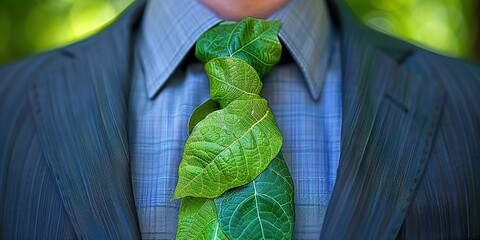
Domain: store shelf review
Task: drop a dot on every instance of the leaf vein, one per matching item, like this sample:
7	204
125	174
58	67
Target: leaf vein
229	146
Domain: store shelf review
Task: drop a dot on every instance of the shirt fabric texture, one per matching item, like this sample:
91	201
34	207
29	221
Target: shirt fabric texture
304	95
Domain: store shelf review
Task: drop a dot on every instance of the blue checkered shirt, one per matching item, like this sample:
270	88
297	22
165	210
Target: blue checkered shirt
303	93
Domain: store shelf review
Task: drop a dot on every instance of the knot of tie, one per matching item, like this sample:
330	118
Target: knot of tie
232	179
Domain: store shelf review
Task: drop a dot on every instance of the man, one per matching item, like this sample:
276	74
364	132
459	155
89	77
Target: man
382	138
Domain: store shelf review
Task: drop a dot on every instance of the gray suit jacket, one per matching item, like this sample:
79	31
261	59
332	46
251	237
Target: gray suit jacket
410	148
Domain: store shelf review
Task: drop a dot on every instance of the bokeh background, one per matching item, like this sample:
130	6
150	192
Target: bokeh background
450	27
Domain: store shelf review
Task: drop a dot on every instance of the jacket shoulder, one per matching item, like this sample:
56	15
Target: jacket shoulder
16	77
19	74
436	66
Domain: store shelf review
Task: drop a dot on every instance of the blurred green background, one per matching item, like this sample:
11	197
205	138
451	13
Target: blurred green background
449	27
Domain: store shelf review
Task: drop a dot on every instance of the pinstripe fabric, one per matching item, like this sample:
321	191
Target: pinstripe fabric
450	185
64	154
28	196
409	150
395	132
409	165
158	123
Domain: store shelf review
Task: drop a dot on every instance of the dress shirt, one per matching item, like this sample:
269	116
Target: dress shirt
303	93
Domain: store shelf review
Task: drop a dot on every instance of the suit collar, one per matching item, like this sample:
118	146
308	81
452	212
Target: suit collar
390	117
80	113
170	29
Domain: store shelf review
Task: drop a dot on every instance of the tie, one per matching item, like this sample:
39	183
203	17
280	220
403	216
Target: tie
233	180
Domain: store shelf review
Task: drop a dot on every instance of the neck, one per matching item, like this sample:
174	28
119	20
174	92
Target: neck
235	10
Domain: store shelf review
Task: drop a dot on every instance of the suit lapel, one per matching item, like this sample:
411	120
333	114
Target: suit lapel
80	111
390	117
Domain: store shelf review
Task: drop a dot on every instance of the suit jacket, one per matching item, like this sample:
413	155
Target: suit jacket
410	142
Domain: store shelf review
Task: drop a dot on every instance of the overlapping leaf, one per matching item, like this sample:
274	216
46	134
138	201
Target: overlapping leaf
252	40
234	152
201	112
262	209
198	219
232	79
227	149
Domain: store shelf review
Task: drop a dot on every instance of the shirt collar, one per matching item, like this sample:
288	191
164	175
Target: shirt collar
170	28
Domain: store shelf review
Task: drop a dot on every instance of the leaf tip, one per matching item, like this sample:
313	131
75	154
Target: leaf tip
276	24
176	194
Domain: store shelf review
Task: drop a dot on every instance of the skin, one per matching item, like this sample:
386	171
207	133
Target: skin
235	10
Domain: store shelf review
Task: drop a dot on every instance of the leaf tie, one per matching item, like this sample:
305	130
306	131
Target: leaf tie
233	179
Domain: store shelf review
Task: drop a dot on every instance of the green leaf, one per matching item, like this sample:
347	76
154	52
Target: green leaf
201	112
229	148
253	40
262	209
198	219
232	79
